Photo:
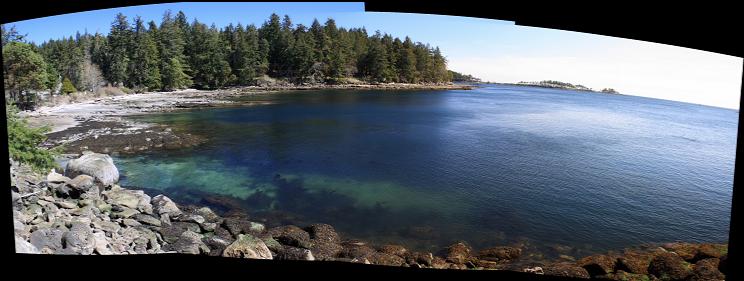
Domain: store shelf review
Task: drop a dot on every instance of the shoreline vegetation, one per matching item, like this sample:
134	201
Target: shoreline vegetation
84	211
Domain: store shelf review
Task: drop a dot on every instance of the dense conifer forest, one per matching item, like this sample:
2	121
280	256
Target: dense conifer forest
180	53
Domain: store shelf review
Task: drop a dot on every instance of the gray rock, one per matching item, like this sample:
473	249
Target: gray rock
101	244
147	219
23	247
107	226
54	177
124	213
83	186
164	205
47	240
208	226
189	243
208	214
79	239
18	215
99	166
134	199
66	204
247	246
190	218
130	222
238	226
82	182
171	233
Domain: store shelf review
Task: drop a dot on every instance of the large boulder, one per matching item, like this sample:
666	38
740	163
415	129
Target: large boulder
291	235
99	166
323	233
458	253
325	241
247	246
706	269
669	266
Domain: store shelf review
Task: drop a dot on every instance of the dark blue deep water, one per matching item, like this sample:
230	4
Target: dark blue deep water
491	166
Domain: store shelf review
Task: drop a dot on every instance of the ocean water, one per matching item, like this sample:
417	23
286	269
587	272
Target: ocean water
497	165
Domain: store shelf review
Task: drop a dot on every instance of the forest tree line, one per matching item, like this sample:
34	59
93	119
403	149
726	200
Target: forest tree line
179	53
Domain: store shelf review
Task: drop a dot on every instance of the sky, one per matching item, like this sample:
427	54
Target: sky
493	50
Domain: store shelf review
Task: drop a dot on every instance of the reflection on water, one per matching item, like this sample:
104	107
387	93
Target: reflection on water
497	165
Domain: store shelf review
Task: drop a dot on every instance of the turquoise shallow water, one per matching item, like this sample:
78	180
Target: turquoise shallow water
495	165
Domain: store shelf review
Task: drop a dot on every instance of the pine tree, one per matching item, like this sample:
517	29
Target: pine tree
67	86
119	41
173	61
177	54
153	80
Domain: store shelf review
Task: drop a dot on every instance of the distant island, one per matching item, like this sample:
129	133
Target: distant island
563	85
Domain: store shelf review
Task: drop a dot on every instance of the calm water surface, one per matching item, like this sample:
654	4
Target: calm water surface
491	166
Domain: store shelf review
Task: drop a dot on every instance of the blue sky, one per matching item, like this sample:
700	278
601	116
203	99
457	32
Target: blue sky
493	50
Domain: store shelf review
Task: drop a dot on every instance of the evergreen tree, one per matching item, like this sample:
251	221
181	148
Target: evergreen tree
173	61
177	54
67	86
23	70
119	42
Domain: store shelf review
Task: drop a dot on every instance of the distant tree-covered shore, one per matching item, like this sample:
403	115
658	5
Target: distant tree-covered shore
180	53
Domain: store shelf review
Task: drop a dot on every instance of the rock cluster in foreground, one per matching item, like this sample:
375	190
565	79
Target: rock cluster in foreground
85	212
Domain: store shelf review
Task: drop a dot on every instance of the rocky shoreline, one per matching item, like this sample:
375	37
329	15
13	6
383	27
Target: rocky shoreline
98	123
86	212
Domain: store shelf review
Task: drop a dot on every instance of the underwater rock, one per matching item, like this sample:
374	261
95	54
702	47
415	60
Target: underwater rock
397	250
498	254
